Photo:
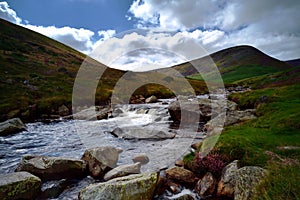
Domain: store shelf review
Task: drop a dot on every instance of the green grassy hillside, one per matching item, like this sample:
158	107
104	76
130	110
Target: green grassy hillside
272	140
237	63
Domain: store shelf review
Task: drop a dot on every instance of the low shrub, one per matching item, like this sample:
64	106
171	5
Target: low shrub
213	162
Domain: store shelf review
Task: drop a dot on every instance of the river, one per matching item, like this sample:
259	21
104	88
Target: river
70	138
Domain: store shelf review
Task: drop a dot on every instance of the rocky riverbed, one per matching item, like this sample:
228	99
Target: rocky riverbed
145	140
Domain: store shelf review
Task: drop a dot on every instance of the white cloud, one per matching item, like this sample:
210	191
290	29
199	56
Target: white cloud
106	34
270	25
8	14
175	14
79	39
136	50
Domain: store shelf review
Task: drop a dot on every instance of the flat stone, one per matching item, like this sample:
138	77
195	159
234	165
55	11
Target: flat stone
132	133
181	175
123	170
132	187
52	168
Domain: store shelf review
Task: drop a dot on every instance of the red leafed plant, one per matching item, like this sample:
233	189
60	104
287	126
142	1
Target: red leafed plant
212	162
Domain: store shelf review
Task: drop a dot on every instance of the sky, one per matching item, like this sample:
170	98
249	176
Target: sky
127	33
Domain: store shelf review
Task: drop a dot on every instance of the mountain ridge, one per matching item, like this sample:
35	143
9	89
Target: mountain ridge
37	73
233	59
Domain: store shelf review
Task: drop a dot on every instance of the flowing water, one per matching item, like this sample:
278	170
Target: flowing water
71	138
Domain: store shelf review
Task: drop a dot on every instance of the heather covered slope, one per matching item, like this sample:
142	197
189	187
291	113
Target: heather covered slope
37	73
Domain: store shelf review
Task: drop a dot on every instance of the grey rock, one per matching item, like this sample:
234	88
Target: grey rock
131	133
132	187
206	186
63	110
237	116
19	185
52	189
247	179
141	158
181	175
101	159
52	168
227	182
152	99
123	170
92	113
11	126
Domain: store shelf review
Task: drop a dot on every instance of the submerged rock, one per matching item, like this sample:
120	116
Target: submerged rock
52	168
11	126
132	187
19	185
123	170
141	158
131	133
101	159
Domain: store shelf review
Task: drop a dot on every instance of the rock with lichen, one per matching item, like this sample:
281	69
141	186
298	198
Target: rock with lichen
19	185
132	187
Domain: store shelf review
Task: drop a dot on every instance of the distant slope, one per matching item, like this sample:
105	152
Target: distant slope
295	62
37	73
237	63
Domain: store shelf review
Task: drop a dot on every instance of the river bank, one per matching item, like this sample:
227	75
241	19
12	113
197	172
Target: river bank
234	143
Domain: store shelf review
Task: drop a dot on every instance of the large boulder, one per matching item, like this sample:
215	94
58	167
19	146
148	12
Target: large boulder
201	110
227	182
123	170
206	186
11	126
132	133
52	168
132	187
232	117
247	179
181	175
101	159
237	116
19	185
189	111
